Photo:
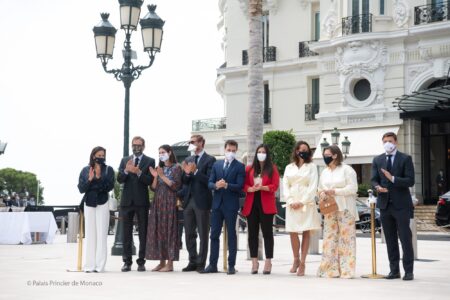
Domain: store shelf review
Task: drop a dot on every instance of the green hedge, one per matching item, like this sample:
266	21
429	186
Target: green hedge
281	144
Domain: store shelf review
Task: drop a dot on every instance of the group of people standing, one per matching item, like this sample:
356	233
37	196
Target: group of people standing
209	191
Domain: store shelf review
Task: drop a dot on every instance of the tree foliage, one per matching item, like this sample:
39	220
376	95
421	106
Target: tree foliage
281	144
16	181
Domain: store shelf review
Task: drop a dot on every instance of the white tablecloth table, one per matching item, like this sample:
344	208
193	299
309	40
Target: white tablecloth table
16	227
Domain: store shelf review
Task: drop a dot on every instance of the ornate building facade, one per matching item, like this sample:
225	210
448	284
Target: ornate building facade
341	63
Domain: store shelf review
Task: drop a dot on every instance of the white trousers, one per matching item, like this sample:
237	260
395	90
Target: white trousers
96	220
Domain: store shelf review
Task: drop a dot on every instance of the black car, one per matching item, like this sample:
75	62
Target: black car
442	215
364	217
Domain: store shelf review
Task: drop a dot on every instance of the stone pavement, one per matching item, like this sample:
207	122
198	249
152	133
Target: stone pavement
38	271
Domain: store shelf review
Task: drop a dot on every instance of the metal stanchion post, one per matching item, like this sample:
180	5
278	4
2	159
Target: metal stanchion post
374	274
80	244
225	247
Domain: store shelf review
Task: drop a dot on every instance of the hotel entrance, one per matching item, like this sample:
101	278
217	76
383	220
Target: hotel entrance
435	157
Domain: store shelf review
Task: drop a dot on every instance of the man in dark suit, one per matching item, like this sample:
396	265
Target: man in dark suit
392	176
227	181
197	202
135	176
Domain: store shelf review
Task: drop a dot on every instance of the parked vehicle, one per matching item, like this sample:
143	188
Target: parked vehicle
442	215
364	217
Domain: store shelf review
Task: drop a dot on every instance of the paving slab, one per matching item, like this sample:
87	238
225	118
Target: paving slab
38	271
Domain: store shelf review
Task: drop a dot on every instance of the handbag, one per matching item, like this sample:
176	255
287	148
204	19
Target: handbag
327	205
112	201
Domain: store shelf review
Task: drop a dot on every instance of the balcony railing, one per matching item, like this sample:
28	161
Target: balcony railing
269	54
209	124
425	14
311	110
357	24
303	49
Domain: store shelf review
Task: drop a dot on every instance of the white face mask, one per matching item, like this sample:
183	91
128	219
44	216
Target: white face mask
164	157
230	155
261	156
192	148
389	147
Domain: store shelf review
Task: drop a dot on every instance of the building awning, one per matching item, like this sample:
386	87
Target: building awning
437	98
365	144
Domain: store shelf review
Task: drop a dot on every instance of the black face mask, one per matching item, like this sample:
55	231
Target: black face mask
327	159
99	160
303	155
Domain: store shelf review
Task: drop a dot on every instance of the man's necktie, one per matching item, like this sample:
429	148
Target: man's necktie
225	169
389	163
196	159
136	161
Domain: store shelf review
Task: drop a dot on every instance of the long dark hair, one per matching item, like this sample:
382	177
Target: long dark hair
294	155
93	152
172	157
268	165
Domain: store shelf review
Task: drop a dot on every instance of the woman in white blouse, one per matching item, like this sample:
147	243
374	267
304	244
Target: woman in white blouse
339	234
299	191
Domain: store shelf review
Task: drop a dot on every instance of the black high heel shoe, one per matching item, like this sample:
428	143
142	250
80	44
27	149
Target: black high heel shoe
255	270
268	270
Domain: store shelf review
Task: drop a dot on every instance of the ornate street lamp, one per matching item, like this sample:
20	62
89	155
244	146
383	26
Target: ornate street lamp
346	146
335	136
324	144
2	147
104	34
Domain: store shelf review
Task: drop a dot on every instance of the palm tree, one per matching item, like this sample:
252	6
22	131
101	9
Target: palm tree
255	79
255	88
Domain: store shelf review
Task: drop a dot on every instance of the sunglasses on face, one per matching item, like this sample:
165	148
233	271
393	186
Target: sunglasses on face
137	146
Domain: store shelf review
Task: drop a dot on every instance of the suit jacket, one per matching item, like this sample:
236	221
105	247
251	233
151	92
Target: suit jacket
235	178
267	197
135	188
398	191
197	185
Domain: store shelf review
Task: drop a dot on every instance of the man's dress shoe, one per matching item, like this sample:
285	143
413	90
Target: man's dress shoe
189	268
392	275
126	268
408	276
231	271
141	268
209	269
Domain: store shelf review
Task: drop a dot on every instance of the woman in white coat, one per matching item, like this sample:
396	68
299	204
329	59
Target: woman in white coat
299	191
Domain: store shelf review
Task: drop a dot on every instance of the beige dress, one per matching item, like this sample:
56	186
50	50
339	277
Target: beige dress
300	186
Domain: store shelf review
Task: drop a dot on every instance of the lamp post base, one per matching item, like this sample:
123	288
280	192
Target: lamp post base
117	248
373	276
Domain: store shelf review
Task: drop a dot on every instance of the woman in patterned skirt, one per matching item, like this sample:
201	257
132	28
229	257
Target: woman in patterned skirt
339	234
162	236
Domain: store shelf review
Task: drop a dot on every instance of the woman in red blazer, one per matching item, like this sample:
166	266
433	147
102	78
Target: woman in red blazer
261	182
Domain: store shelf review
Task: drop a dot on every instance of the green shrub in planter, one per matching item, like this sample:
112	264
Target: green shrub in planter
362	189
280	144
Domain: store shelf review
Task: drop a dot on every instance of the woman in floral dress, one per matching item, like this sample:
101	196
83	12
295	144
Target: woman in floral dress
339	234
162	236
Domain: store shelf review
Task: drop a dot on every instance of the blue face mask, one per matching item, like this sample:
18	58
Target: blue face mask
327	159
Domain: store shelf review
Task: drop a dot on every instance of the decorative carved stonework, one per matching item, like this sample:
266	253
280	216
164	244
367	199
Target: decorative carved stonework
304	3
401	12
361	60
268	5
330	23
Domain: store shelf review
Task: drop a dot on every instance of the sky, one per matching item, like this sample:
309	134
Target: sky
57	103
